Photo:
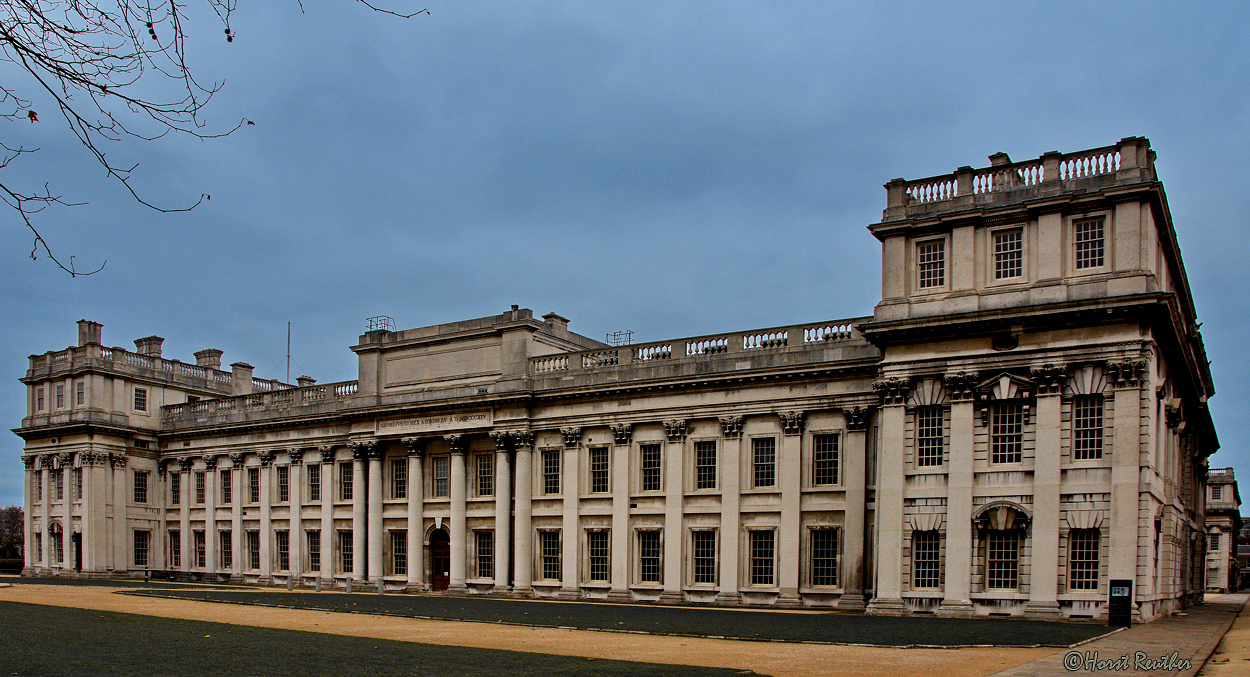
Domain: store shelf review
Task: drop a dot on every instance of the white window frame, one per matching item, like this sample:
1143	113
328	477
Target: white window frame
1107	239
991	250
916	246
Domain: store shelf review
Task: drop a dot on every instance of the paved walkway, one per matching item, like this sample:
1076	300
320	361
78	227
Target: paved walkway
1192	637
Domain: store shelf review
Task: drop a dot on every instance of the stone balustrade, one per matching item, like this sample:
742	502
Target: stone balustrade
127	362
263	403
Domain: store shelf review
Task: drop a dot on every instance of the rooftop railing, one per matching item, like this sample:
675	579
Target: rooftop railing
74	356
264	400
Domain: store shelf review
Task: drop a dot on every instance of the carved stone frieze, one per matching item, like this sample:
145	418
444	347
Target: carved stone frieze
791	422
961	385
572	436
731	427
415	445
675	429
892	390
856	418
456	442
1049	378
622	433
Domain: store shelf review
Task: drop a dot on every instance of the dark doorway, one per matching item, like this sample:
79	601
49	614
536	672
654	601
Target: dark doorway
77	539
440	560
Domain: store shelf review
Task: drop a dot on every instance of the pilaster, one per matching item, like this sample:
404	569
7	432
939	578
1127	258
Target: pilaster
524	540
416	517
266	515
376	532
360	525
1044	567
855	481
622	438
326	453
731	517
296	525
789	481
503	508
570	543
210	513
674	502
958	581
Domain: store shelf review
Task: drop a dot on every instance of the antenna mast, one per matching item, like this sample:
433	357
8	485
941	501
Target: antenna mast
288	352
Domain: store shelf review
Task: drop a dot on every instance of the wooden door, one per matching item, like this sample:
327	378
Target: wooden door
440	560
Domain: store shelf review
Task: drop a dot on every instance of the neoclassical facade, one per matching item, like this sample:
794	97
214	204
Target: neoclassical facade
1021	420
1223	512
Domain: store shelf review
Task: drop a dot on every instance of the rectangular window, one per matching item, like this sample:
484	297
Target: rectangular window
225	550
58	484
600	555
1008	254
199	487
442	471
1090	249
1002	560
932	257
253	485
36	485
284	483
1217	492
60	397
763	547
39	549
1087	427
345	552
197	539
649	556
345	481
651	456
77	484
1214	544
253	550
599	470
399	552
141	487
705	465
142	540
399	478
824	459
549	543
1007	433
175	488
485	475
80	393
314	550
314	483
1083	559
764	461
825	557
38	399
925	559
141	398
485	542
283	540
929	435
175	549
704	545
58	547
227	487
551	472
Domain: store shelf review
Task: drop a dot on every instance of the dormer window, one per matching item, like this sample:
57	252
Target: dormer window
932	259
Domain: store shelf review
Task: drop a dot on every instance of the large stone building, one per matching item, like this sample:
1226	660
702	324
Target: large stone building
1021	420
1223	511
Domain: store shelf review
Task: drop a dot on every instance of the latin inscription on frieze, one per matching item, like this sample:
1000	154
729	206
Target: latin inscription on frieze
459	421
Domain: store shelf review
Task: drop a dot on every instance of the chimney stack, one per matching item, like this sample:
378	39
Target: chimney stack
209	357
89	332
149	345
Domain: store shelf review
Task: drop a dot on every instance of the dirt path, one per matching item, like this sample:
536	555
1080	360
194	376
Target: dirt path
1232	657
769	658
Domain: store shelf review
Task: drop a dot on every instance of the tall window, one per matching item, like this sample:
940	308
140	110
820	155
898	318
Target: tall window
399	478
649	556
650	467
175	549
1008	254
175	488
253	550
314	483
825	459
1007	433
442	471
345	552
929	436
142	539
764	457
284	483
141	487
80	393
77	484
314	549
38	399
225	550
197	539
932	258
141	398
549	544
1089	243
926	559
282	539
253	485
551	472
60	396
1217	492
58	484
1213	544
485	542
227	487
345	481
485	475
399	553
1087	427
1002	560
199	487
705	465
825	557
599	470
1083	559
763	548
704	545
57	538
600	555
36	485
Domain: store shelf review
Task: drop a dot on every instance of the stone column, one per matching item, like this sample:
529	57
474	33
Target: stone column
855	479
86	465
523	541
28	461
503	508
959	545
674	501
210	514
376	533
121	502
65	461
266	516
622	434
237	487
730	501
789	481
45	477
184	513
1125	378
1044	570
296	524
459	520
360	454
571	540
327	513
416	513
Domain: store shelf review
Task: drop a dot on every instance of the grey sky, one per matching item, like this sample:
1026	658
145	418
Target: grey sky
671	168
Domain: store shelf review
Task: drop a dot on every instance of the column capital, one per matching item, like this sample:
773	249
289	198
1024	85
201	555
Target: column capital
295	455
675	429
210	461
622	433
266	457
572	436
364	449
961	385
29	461
503	440
893	390
730	427
236	460
118	460
457	443
327	453
791	422
523	440
184	463
65	459
856	418
415	446
1126	373
1049	378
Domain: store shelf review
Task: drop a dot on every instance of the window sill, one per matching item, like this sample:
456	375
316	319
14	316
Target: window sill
927	470
647	587
924	594
1000	594
700	587
544	584
596	585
